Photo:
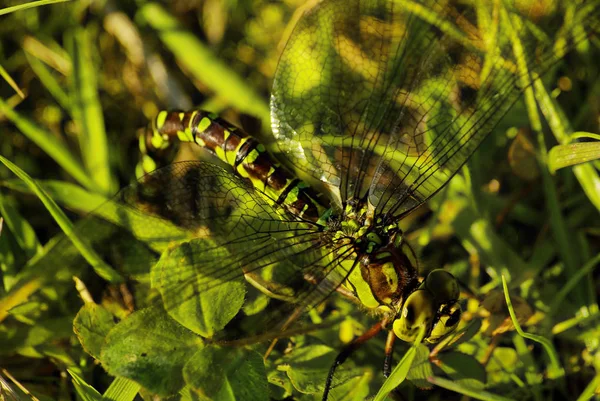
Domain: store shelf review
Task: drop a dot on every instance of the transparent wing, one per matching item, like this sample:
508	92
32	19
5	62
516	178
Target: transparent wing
387	99
211	229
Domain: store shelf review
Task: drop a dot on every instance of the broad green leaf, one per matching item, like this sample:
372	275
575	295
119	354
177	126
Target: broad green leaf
91	325
308	367
354	389
205	372
421	368
227	374
150	348
463	369
200	303
280	385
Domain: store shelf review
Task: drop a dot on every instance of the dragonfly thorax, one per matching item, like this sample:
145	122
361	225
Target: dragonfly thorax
383	275
382	268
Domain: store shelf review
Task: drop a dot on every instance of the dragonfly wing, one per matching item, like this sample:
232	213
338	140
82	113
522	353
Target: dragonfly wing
388	99
231	231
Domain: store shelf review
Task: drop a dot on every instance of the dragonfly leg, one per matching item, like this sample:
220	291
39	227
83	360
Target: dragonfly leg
347	351
389	354
387	364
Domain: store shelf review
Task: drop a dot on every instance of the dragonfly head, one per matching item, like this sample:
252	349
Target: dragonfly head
432	307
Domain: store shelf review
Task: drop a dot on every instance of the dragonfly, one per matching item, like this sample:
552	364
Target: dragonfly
375	106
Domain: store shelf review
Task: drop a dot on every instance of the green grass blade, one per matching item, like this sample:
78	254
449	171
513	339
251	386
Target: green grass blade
481	234
586	174
122	389
571	154
401	370
4	74
84	390
572	282
47	79
67	194
555	370
101	268
476	394
49	144
51	53
590	390
78	199
533	377
398	374
205	66
22	231
559	227
586	135
87	111
21	7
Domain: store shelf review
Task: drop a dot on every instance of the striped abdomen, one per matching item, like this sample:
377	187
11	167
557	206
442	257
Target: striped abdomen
244	153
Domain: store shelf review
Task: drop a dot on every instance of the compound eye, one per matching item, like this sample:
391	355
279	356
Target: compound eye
417	314
442	285
447	323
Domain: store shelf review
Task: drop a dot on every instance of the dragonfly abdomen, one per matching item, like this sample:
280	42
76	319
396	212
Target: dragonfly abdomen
248	157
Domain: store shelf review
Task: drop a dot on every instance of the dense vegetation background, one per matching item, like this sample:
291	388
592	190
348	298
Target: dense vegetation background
88	76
